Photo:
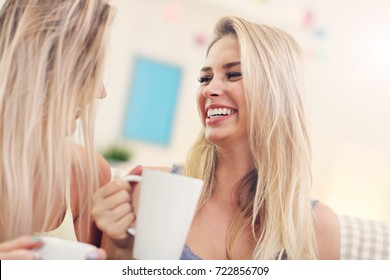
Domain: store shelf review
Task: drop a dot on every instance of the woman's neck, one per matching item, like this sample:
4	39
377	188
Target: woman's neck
232	166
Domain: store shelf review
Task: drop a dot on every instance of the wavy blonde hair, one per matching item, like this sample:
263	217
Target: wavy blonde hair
51	64
273	197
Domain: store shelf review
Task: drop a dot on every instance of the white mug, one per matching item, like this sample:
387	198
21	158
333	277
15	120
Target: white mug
61	249
166	208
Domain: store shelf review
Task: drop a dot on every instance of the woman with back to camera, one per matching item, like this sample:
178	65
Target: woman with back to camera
51	68
253	154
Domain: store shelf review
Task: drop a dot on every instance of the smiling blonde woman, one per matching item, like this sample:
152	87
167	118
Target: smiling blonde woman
255	158
253	154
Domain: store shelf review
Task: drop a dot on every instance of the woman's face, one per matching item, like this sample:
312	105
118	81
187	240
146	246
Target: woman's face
221	99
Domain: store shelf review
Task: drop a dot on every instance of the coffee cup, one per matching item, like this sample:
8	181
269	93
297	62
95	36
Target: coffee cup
61	249
166	207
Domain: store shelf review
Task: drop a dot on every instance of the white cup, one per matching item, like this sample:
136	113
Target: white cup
61	249
166	208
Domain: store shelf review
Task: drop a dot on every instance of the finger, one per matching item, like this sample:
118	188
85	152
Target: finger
111	188
18	255
133	219
99	254
110	218
118	230
136	170
115	200
22	242
121	211
104	217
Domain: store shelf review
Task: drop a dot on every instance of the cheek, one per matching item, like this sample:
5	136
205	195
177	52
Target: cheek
241	98
200	100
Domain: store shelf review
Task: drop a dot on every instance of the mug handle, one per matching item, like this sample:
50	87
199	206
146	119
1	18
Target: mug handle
132	178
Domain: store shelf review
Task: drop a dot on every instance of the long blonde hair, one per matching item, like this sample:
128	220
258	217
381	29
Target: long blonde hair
51	64
276	202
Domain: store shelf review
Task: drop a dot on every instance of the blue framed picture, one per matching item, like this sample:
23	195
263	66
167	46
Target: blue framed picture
152	100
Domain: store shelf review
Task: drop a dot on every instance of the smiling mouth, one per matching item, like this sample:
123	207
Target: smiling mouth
219	112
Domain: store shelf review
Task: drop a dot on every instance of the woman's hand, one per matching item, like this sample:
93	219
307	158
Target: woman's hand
20	248
114	212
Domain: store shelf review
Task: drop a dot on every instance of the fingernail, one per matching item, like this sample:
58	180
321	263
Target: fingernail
35	238
92	256
36	255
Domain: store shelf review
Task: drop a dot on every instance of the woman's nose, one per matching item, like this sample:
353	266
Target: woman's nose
213	89
102	94
214	93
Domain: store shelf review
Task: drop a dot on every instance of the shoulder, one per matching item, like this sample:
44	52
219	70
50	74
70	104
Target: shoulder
104	169
327	231
80	176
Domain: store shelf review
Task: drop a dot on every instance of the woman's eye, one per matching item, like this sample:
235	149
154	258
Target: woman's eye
232	75
204	80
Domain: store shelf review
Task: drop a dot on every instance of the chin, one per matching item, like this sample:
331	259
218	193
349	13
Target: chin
214	138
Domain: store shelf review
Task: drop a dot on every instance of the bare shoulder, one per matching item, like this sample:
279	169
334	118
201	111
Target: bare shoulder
85	231
80	175
104	169
327	232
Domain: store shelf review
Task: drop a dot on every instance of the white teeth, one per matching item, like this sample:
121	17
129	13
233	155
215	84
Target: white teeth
216	112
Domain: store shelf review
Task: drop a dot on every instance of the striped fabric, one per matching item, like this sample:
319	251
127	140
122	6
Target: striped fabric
363	239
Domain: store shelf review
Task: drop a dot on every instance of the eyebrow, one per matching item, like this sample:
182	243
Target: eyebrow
226	66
